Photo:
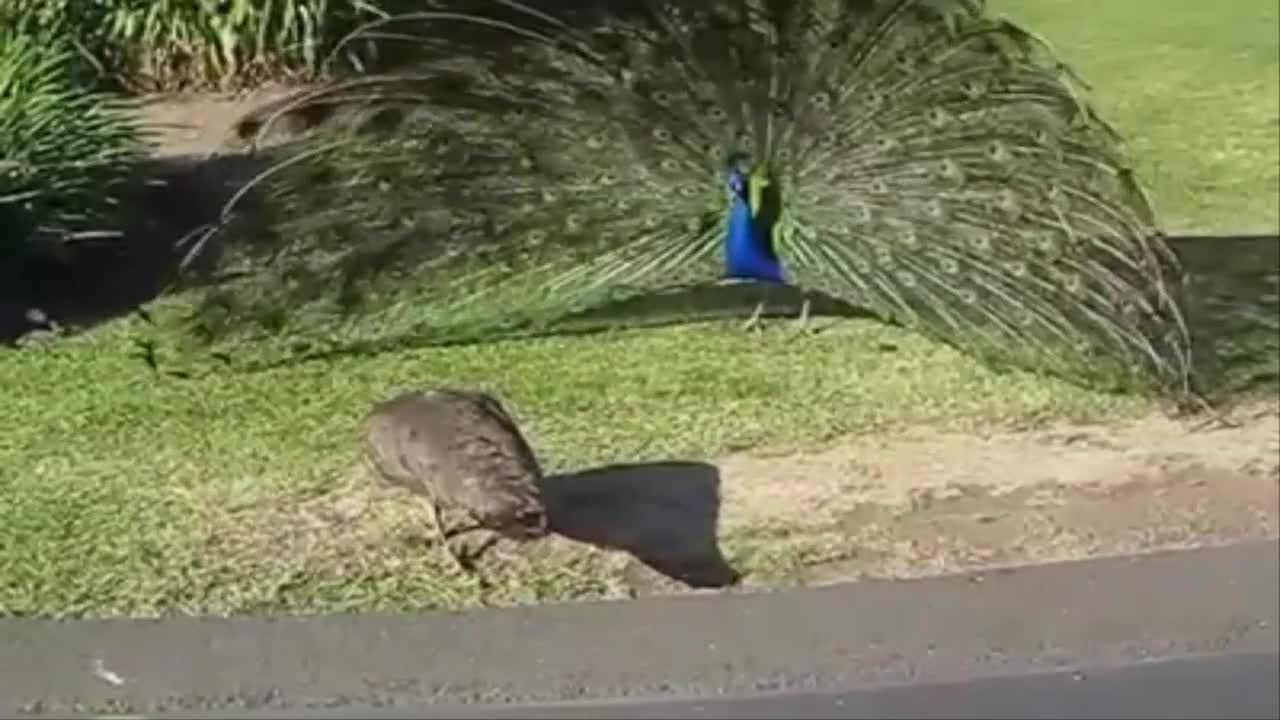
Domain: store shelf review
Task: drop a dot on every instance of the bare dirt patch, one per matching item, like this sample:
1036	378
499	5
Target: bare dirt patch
900	469
922	503
206	124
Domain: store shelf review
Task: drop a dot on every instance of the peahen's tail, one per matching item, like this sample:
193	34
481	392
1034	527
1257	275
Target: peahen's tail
925	161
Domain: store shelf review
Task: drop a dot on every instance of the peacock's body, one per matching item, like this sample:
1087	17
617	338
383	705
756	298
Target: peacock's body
749	253
914	157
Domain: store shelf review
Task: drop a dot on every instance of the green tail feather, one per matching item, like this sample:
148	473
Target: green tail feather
926	161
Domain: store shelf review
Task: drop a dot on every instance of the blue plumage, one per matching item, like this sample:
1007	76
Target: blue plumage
749	252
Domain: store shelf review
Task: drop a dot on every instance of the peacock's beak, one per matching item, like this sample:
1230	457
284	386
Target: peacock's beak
757	182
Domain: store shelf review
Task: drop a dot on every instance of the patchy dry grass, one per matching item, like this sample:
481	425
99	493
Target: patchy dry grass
124	491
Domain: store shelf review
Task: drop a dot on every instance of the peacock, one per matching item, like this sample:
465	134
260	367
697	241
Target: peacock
461	450
922	159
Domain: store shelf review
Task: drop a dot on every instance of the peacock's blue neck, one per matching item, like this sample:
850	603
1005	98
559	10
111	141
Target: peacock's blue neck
748	253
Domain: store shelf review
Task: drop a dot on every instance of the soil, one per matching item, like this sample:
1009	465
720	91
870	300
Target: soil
204	125
925	503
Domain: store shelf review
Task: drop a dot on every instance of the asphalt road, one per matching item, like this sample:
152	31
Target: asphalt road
1185	634
1211	686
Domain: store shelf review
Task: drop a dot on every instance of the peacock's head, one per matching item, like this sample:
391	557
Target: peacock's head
737	175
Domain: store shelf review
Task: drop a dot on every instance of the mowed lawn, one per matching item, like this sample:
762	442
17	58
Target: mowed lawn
1195	86
124	492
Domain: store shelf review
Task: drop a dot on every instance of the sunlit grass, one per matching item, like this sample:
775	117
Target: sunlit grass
125	491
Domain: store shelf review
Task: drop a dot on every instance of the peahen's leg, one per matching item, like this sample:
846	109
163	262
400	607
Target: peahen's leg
442	536
486	545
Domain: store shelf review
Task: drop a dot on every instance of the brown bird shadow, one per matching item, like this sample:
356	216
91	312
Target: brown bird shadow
663	514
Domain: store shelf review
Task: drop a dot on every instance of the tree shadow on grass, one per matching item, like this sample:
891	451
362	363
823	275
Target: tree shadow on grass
169	202
678	306
1234	312
663	514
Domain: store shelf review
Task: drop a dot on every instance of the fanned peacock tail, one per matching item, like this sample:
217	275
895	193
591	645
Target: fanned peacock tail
923	160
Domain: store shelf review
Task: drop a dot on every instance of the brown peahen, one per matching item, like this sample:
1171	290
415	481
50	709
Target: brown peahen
918	158
462	451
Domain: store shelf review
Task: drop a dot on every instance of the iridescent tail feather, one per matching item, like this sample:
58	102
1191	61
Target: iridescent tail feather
931	163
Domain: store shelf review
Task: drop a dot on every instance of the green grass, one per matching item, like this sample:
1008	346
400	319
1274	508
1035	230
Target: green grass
122	492
127	492
64	151
1193	86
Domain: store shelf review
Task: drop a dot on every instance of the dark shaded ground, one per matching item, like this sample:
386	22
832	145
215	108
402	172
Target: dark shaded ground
172	199
871	634
663	514
1235	307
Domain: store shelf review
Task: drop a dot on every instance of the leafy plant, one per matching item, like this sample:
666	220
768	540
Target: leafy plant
64	149
163	45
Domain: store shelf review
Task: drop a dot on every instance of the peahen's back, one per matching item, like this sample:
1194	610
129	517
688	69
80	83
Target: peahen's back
462	450
915	157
